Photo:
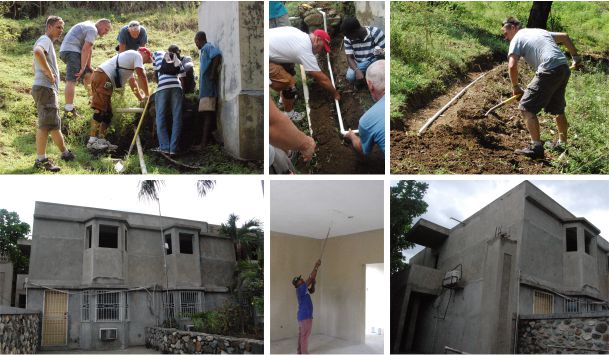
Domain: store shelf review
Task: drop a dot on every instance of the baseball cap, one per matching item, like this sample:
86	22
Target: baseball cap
325	37
145	50
134	24
295	280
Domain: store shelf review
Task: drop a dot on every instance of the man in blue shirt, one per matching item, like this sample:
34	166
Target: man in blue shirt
209	74
278	14
305	308
132	36
372	123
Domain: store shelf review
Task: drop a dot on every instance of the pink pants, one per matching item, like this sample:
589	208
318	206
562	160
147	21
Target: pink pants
304	330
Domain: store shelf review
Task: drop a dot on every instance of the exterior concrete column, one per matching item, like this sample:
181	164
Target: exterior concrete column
237	29
402	311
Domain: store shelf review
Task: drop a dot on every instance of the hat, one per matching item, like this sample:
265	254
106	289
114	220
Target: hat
144	50
134	24
295	280
325	37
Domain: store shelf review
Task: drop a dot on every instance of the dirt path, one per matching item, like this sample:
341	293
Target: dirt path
334	155
463	140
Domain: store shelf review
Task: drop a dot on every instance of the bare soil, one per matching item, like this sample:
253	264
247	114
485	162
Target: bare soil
335	155
464	141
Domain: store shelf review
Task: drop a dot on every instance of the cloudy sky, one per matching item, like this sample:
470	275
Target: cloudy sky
462	198
179	198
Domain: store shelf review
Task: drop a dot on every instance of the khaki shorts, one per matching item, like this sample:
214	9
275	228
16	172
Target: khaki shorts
47	106
207	104
547	91
280	78
102	92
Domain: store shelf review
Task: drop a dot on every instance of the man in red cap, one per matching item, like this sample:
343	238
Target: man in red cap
288	46
114	73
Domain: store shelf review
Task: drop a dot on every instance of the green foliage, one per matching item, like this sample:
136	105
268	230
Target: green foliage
222	321
11	231
247	239
406	203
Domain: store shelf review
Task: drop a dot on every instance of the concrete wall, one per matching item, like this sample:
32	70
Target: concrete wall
371	13
237	29
19	331
339	300
291	256
342	282
6	281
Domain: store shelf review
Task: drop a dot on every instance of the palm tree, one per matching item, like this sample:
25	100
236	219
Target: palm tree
149	189
247	239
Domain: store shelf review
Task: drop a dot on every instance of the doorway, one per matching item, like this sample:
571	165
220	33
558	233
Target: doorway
375	304
55	319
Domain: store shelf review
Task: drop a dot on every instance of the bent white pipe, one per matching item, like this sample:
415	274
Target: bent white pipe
340	116
305	90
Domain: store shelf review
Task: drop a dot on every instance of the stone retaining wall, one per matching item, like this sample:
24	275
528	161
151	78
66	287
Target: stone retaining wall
581	333
167	340
19	331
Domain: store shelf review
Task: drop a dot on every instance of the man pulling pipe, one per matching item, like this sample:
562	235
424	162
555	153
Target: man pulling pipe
305	308
288	46
547	90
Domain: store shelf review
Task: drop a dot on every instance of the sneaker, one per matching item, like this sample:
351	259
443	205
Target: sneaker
295	116
97	145
558	147
70	114
46	164
532	151
67	155
159	150
108	144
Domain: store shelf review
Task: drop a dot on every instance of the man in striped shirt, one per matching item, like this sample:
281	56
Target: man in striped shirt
363	46
168	96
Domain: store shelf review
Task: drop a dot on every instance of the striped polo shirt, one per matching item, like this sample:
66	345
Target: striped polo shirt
166	81
362	49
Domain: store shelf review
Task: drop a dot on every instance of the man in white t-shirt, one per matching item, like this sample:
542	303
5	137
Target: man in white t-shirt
115	73
288	46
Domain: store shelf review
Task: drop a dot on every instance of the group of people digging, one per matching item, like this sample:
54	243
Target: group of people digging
364	48
546	91
173	72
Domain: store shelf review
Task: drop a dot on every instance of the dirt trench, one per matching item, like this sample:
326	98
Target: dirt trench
464	141
335	155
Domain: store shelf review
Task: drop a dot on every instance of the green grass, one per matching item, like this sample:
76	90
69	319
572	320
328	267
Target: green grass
173	25
432	43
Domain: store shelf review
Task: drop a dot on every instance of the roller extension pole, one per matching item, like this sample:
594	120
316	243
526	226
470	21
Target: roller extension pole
433	118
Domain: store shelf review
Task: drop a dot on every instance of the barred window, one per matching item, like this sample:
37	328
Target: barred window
108	305
189	303
86	305
571	305
543	303
168	305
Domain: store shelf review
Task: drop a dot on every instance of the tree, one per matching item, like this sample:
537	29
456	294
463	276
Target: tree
406	203
149	189
247	239
11	231
538	16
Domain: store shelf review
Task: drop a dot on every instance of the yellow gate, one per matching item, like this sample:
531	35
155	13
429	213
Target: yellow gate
55	319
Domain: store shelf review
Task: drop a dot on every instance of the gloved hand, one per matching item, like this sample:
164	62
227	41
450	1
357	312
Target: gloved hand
378	51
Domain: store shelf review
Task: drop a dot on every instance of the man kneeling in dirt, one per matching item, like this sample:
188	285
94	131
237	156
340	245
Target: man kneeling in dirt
372	124
114	73
363	46
547	90
288	46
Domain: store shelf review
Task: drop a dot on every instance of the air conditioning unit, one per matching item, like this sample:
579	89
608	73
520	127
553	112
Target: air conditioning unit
451	278
189	327
108	334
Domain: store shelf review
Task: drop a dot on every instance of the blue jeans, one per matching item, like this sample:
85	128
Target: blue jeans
361	66
165	99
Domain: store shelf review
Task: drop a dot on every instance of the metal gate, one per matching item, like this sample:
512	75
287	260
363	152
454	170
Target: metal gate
55	319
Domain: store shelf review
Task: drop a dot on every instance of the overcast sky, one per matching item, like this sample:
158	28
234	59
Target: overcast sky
462	198
179	198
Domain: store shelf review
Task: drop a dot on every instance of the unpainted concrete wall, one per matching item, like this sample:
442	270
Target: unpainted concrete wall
6	283
236	28
371	13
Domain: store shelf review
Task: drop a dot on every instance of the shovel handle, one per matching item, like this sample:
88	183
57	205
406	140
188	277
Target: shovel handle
139	125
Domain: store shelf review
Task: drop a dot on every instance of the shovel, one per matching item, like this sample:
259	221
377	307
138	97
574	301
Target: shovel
508	101
119	167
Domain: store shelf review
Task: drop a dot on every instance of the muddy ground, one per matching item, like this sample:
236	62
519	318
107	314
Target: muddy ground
335	155
462	140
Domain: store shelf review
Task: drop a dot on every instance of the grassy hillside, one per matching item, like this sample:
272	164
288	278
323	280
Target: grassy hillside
173	25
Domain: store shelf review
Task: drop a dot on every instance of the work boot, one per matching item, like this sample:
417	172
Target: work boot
67	155
295	116
46	164
97	145
533	151
108	144
558	147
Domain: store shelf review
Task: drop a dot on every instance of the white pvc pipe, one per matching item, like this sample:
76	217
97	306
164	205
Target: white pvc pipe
140	154
130	110
305	90
433	118
340	116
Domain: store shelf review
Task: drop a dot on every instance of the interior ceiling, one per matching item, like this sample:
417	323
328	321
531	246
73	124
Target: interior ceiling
307	208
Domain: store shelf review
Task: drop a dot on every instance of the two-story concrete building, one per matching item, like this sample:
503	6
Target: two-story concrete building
523	254
100	276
